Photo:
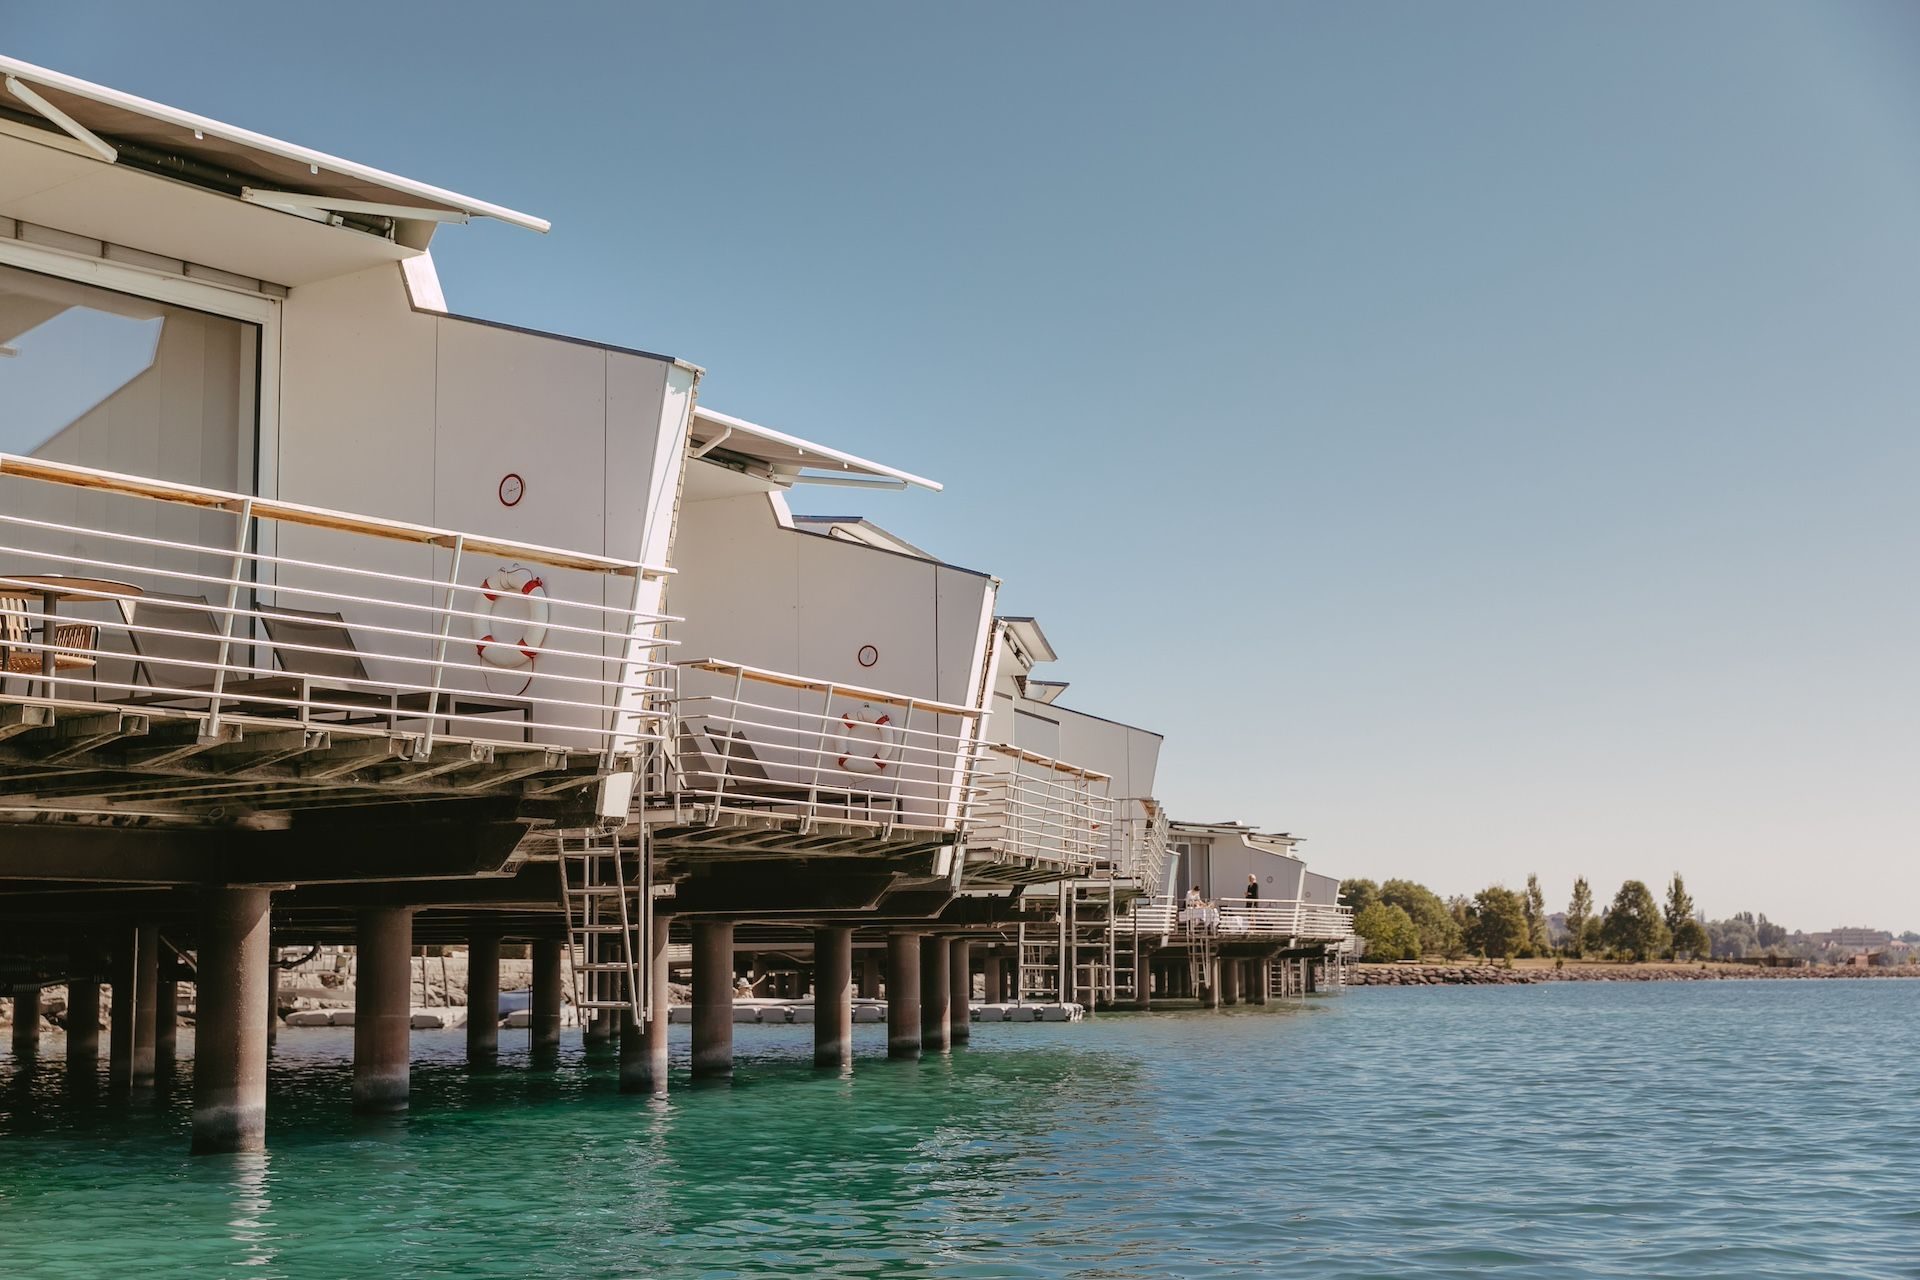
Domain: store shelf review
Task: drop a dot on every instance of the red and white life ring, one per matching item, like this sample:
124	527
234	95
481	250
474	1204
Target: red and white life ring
866	745
513	616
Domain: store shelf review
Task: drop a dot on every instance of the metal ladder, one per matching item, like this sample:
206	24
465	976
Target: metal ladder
1199	954
606	888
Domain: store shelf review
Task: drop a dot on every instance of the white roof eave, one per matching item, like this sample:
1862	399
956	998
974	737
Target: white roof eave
31	74
740	430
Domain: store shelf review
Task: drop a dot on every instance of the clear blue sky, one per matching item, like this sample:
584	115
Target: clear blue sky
1481	437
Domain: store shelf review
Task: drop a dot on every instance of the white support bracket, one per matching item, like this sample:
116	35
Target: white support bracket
68	125
307	204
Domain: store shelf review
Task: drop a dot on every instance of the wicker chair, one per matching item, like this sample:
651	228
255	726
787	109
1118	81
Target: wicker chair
76	644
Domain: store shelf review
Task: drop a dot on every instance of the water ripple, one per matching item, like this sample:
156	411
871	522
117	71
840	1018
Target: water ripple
1576	1130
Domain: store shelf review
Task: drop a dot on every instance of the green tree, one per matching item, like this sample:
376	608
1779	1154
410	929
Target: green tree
1498	922
1359	894
1536	904
1593	935
1633	927
1438	932
1389	931
1579	911
1679	910
1692	938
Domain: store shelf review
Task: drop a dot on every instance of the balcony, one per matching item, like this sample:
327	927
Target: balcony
183	654
1137	846
1238	919
767	760
1036	819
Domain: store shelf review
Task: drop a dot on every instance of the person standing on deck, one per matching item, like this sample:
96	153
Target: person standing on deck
1253	890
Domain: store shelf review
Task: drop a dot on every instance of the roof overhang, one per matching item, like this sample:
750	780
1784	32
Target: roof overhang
1030	639
789	459
119	128
174	185
1045	690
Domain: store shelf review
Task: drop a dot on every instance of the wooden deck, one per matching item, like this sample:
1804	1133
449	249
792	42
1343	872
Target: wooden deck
96	763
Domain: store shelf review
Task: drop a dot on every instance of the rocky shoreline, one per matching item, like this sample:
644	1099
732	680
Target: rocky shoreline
1462	975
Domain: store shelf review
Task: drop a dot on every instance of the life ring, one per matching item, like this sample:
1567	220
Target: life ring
511	622
866	746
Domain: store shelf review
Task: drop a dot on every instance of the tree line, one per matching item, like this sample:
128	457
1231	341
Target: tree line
1403	920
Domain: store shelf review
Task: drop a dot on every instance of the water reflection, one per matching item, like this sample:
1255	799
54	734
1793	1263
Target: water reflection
1256	1144
250	1227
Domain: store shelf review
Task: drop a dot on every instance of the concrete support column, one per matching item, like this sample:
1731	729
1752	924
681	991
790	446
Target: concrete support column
382	1009
936	995
83	1029
549	991
867	966
1143	982
960	1004
903	994
1210	988
483	999
230	1040
833	997
991	983
120	1015
1229	981
713	999
166	1020
646	1071
135	975
1262	979
146	993
26	1023
273	996
1311	976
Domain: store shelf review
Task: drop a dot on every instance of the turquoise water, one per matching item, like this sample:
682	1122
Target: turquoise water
1579	1129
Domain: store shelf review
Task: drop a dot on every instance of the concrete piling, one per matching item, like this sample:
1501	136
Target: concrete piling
83	1017
903	994
26	1023
713	999
1261	981
549	991
230	1041
143	1067
991	982
166	1021
936	995
1229	982
483	999
382	1009
960	1003
653	1073
833	997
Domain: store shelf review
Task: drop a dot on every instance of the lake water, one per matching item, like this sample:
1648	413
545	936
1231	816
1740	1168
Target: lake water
1579	1129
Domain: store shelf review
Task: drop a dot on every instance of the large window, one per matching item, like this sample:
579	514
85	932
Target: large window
123	383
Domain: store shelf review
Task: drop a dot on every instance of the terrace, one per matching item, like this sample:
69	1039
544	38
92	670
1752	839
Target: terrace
186	656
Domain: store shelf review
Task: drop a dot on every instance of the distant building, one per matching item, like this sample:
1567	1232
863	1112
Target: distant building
1852	939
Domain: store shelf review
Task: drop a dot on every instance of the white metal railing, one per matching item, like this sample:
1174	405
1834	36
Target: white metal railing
1041	809
1229	918
746	739
379	621
1137	848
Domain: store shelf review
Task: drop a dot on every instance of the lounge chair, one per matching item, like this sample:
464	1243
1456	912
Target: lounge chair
319	649
733	766
174	668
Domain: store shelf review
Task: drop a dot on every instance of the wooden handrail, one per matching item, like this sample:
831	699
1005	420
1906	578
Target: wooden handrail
723	666
315	517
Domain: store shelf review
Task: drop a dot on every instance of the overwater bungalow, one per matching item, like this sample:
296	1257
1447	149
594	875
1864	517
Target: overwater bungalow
1242	918
331	616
